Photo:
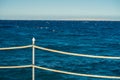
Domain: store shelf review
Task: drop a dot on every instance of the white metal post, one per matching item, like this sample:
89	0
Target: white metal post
33	59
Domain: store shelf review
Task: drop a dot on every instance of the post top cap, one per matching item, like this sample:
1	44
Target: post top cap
33	39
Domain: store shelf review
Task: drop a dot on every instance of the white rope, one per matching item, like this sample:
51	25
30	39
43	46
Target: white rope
19	47
78	74
67	53
75	54
59	71
63	72
5	67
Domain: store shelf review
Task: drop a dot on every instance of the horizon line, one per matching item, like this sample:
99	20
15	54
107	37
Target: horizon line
67	19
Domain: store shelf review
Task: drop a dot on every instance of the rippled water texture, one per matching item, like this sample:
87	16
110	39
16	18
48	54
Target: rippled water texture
86	37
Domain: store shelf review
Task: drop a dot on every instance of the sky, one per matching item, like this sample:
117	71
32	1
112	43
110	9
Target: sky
60	9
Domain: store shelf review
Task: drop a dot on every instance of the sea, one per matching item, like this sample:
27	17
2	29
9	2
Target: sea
99	38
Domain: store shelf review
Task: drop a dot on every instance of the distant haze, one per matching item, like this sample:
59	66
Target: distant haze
60	9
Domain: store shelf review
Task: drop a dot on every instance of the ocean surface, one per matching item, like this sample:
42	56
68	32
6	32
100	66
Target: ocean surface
87	37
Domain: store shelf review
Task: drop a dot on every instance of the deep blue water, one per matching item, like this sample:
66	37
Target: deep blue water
88	37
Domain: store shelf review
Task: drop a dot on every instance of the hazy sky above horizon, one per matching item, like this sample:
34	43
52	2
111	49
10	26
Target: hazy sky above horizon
60	9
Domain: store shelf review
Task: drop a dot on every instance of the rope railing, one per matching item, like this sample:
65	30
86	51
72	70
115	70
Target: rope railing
77	74
19	47
8	67
62	72
61	52
75	54
33	66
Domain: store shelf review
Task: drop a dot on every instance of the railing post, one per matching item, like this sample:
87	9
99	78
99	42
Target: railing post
33	59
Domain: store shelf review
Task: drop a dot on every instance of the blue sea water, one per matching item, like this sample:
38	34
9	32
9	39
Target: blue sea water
86	37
